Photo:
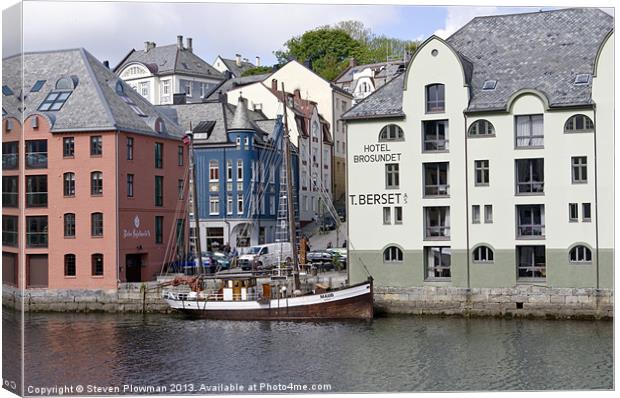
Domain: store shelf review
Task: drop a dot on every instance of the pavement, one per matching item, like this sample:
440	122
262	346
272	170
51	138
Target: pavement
320	240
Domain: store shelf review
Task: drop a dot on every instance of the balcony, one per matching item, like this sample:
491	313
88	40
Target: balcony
531	263
530	222
436	179
36	199
36	239
435	136
10	199
437	223
36	160
10	161
530	176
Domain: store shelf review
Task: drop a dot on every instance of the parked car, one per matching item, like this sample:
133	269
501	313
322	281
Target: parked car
340	254
321	258
266	256
220	259
328	224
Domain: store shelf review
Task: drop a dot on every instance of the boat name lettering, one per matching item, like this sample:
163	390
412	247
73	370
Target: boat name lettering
393	198
327	295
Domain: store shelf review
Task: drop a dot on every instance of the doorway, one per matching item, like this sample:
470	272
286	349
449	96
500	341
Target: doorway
133	266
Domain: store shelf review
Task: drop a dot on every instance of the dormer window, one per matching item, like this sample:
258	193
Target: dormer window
489	85
35	122
6	90
582	79
37	86
54	101
65	83
160	127
120	90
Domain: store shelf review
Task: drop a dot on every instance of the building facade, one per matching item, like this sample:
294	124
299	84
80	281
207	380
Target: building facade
160	73
236	66
487	163
363	80
86	177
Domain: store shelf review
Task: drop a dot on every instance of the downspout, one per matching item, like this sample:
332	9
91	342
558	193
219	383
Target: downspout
596	205
467	205
116	199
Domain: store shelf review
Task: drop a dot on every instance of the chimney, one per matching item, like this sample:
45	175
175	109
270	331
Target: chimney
189	45
147	46
274	84
257	60
180	42
246	60
238	59
179	99
352	62
106	63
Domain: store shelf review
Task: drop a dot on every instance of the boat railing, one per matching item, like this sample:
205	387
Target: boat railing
209	296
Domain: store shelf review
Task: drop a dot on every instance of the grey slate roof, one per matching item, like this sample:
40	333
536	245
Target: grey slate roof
92	105
542	51
236	70
234	83
382	70
171	59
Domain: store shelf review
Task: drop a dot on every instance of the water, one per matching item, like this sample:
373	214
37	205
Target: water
387	354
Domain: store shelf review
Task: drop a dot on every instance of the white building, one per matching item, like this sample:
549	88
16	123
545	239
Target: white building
236	66
489	162
161	73
363	80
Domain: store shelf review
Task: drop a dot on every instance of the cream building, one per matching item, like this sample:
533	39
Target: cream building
489	162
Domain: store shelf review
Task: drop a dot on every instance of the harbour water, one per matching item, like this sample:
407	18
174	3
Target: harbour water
387	354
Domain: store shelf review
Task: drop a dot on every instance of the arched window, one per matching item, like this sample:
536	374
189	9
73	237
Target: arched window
97	264
69	184
481	128
391	132
96	183
120	90
69	264
483	254
69	224
435	98
65	83
96	224
580	254
392	255
578	124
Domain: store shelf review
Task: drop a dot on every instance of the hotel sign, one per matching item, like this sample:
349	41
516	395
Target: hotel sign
136	232
374	153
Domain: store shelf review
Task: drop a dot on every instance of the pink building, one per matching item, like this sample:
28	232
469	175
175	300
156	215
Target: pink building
93	181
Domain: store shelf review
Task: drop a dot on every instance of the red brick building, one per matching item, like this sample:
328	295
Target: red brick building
94	178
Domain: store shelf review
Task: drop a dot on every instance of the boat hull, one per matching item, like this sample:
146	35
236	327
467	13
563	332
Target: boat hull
355	302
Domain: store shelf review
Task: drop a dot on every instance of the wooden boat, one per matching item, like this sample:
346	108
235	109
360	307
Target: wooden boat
239	298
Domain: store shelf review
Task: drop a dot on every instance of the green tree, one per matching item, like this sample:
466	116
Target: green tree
257	70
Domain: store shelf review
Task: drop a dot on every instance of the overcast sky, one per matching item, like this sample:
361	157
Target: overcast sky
110	29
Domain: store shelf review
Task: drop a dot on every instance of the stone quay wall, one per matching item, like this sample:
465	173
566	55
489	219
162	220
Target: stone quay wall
519	301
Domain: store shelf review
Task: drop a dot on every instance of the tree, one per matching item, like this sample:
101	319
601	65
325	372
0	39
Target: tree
257	70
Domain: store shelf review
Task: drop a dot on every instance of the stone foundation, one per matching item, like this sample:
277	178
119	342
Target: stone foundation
519	301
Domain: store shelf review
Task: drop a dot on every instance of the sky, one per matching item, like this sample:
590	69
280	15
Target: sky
109	30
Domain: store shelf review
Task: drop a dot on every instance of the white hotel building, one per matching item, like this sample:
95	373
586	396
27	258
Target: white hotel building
489	162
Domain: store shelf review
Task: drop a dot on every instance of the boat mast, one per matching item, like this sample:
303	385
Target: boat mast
192	182
289	193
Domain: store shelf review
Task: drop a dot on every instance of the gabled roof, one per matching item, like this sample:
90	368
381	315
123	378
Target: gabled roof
380	69
235	69
386	101
93	104
234	83
170	59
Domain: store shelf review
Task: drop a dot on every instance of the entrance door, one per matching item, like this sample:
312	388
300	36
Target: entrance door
37	270
133	266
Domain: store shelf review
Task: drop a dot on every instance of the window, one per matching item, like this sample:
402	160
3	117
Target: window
96	183
159	155
159	191
214	171
35	122
65	83
214	205
489	85
573	212
180	189
238	141
96	224
483	254
481	169
97	264
488	214
229	204
54	100
96	147
531	262
387	215
68	147
9	230
582	79
391	132
165	90
530	221
436	179
580	254
132	105
435	98
586	210
580	169
180	232
144	89
129	148
437	222
579	124
188	88
398	215
69	264
437	261
36	231
37	86
130	178
435	135
69	225
481	128
529	131
392	179
180	156
239	203
10	194
475	214
229	170
36	191
10	155
68	180
36	154
239	170
530	176
392	254
203	90
159	229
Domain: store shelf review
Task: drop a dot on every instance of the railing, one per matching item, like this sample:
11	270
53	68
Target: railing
437	190
437	231
36	199
9	238
36	160
530	230
10	161
9	199
530	141
531	187
36	239
435	145
527	270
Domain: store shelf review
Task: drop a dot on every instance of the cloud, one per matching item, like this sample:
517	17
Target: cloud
110	29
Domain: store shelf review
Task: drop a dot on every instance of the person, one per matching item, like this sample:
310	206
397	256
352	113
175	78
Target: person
329	244
344	244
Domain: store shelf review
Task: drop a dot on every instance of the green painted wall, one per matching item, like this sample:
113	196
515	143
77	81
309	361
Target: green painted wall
501	272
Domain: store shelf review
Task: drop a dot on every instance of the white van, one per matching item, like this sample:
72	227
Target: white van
266	256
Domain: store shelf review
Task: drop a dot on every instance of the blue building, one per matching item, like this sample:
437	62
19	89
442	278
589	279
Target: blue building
238	160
